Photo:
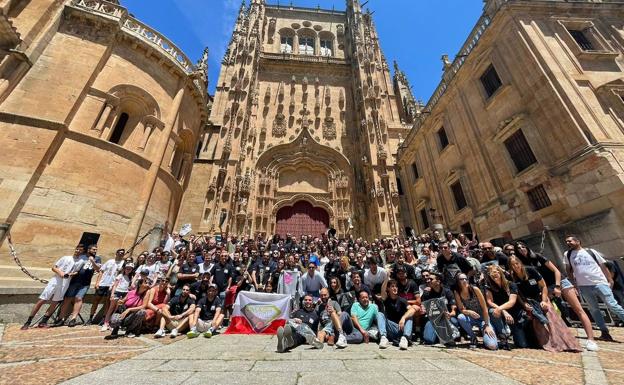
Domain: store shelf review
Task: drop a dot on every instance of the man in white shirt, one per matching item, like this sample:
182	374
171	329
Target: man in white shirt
374	278
587	268
104	281
312	282
54	292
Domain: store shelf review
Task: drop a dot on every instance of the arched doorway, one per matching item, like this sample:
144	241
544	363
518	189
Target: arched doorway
301	218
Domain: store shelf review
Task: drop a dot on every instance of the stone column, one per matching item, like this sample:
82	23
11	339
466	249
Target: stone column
106	113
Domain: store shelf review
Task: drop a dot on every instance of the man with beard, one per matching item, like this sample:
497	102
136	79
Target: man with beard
312	282
374	278
450	264
175	315
198	289
437	290
400	262
300	329
328	311
397	317
208	314
262	271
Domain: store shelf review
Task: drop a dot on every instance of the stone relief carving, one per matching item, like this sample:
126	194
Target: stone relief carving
329	128
279	125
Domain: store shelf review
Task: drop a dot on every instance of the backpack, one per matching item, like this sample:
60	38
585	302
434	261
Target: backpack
589	251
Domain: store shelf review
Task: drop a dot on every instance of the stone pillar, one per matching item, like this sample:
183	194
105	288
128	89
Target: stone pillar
147	131
106	113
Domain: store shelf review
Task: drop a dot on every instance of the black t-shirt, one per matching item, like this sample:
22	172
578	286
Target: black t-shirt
445	292
187	269
409	290
529	288
539	263
85	274
198	289
264	272
457	259
220	275
311	318
395	309
209	308
178	305
500	297
331	269
411	272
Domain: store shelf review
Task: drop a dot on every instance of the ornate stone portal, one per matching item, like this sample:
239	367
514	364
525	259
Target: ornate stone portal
285	151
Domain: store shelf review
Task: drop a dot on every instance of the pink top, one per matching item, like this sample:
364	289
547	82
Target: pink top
134	299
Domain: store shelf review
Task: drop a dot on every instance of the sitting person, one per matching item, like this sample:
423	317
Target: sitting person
359	326
130	313
300	329
551	332
208	315
328	311
397	318
436	290
159	296
474	312
175	315
505	311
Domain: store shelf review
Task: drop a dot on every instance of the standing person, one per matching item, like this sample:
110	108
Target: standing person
104	281
312	282
64	269
558	286
397	318
587	268
474	312
450	264
551	332
79	286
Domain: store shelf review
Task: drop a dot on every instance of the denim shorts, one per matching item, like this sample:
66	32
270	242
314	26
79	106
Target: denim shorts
565	284
77	291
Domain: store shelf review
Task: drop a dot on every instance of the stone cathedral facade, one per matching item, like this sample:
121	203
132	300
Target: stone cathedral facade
304	128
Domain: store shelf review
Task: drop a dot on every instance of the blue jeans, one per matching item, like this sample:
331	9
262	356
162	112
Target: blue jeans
429	334
602	291
468	322
517	331
353	335
391	330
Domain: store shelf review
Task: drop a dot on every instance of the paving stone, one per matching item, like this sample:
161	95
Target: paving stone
464	377
136	364
370	378
242	378
385	364
185	365
339	354
110	377
298	366
453	364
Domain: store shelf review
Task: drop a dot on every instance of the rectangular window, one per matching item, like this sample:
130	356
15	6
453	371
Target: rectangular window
458	195
490	80
520	151
424	218
581	39
539	198
466	229
399	186
326	47
443	138
286	44
306	46
415	171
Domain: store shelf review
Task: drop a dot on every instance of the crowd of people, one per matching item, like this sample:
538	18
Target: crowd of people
430	289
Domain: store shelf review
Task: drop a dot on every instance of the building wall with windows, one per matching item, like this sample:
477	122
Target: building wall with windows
526	129
99	126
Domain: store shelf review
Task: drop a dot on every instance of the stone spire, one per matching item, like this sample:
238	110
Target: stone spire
405	98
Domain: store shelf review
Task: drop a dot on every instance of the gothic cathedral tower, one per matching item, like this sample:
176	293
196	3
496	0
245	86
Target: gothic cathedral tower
304	129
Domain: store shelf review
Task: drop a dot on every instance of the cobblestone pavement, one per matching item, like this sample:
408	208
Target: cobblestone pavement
82	356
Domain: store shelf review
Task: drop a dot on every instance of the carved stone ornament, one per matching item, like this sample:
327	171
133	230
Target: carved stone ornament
329	128
279	125
380	190
213	184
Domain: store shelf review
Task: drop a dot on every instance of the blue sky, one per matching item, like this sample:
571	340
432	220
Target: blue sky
414	32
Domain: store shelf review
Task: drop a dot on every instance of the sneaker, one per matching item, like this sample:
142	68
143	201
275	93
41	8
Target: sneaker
342	341
208	334
403	343
280	340
383	342
289	341
111	336
25	327
72	323
473	342
174	333
373	333
160	333
130	335
503	342
59	322
192	334
104	328
592	346
317	344
605	336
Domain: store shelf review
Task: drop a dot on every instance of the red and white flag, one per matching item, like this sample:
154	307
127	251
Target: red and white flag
259	313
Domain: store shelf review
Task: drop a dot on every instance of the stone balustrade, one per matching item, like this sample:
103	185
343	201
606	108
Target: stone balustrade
137	29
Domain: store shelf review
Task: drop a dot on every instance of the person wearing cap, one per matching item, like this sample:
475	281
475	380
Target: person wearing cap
118	292
104	281
208	314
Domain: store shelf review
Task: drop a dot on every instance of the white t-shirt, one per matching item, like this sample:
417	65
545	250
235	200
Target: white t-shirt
123	283
66	265
586	271
205	268
163	267
109	272
371	279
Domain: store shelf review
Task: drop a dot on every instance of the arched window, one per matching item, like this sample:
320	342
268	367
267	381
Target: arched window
286	44
326	48
119	128
306	45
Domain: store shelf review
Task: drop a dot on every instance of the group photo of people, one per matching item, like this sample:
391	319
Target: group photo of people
433	289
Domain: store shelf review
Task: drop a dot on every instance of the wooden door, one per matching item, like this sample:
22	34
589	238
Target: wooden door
302	218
